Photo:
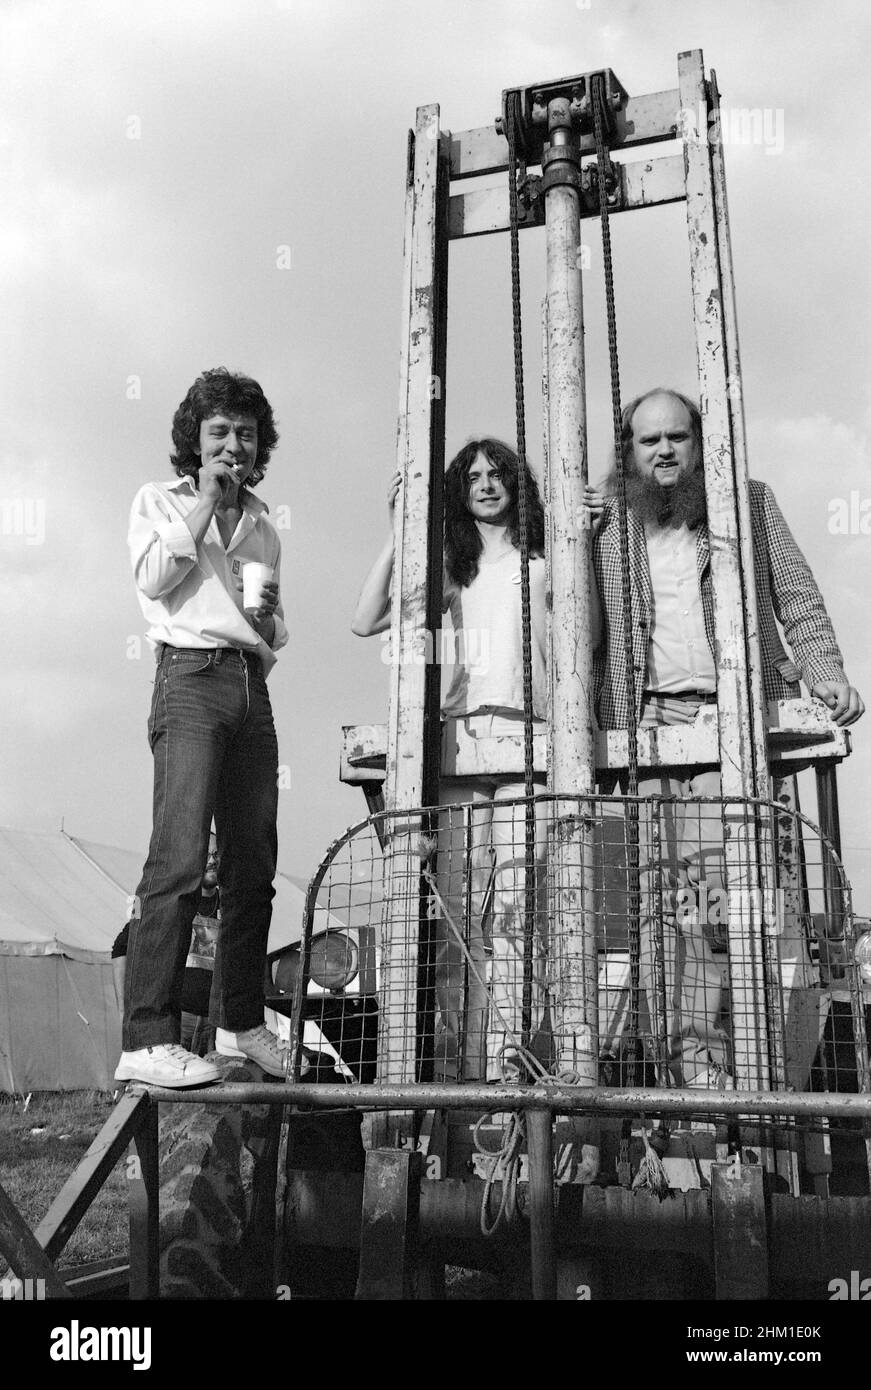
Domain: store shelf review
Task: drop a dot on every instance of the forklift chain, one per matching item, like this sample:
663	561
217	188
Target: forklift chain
633	894
526	619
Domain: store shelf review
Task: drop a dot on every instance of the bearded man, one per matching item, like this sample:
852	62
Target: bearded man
673	653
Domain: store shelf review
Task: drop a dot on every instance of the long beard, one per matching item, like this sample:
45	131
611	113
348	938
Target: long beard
682	504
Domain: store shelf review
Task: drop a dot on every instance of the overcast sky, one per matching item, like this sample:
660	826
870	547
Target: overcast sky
156	158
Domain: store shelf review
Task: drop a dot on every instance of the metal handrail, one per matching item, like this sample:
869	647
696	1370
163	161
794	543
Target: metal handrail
557	1098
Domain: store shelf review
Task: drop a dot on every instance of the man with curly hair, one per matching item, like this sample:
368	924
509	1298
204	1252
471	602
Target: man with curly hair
210	728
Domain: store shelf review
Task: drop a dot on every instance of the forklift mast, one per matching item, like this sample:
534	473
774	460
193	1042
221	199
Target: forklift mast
758	750
560	152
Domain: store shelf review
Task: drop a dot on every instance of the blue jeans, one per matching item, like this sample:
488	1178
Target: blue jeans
215	753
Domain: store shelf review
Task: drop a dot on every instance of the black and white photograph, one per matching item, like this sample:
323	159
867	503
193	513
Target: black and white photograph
435	500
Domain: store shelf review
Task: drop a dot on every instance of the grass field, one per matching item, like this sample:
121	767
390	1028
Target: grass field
40	1145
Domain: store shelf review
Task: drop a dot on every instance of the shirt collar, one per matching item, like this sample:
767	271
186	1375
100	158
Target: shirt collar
255	505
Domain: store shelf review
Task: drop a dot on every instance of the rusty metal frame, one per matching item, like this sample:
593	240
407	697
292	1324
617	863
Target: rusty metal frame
558	1099
391	1197
739	703
779	1138
733	736
135	1118
33	1254
800	734
413	744
835	881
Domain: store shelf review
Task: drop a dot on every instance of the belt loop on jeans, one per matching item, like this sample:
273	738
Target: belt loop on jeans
218	654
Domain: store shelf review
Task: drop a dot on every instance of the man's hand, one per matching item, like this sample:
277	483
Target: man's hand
267	600
844	701
218	486
217	481
264	627
261	618
591	512
392	494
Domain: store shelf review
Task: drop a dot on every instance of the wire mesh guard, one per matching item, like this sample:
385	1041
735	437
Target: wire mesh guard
698	942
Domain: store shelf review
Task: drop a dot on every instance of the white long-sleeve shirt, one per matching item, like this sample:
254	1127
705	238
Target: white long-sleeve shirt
191	595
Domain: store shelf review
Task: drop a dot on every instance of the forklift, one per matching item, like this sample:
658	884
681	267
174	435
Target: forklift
566	1177
591	1174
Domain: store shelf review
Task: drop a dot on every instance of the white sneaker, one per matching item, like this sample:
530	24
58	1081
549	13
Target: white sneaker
259	1045
166	1064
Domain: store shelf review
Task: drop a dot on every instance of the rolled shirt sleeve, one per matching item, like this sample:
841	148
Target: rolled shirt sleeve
162	549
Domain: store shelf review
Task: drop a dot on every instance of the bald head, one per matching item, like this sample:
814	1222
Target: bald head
662	455
661	401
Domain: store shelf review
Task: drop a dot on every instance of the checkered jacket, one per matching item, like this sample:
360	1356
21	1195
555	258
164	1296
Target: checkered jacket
786	592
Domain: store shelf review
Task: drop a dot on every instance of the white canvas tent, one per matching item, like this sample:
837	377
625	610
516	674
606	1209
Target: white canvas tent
59	914
62	903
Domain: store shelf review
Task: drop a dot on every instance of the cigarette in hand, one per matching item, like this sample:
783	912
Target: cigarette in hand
236	471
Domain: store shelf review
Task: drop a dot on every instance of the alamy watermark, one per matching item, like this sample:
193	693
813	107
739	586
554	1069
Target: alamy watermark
734	125
854	1290
715	906
78	1343
25	517
22	1290
850	516
469	647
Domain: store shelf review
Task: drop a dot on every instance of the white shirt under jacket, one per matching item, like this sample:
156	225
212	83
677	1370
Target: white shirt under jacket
679	656
191	595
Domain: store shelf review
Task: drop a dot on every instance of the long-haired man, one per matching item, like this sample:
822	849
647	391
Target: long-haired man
478	1035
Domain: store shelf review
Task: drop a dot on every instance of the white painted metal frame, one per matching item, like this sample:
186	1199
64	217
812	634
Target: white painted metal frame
739	705
734	734
413	721
800	733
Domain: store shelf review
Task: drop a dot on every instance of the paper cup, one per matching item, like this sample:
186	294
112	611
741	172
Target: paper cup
254	574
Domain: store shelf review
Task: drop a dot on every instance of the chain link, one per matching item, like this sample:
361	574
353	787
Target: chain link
523	530
633	894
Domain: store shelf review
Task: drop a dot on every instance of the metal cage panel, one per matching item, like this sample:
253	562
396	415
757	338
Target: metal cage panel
450	951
